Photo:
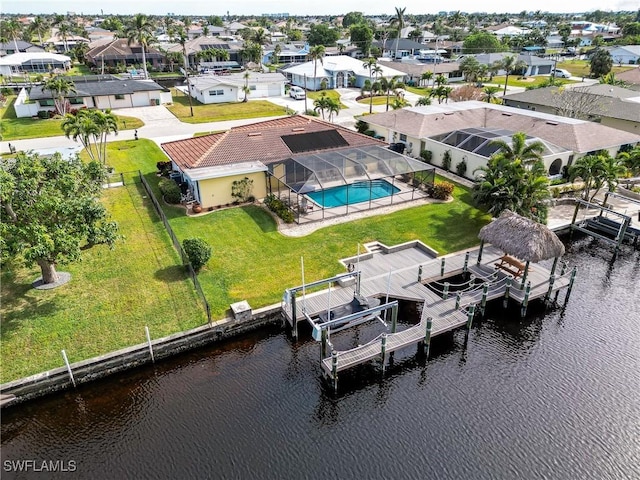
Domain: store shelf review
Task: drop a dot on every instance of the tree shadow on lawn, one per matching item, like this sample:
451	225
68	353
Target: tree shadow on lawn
459	228
261	217
173	273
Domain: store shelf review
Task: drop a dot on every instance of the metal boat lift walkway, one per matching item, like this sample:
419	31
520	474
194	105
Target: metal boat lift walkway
402	272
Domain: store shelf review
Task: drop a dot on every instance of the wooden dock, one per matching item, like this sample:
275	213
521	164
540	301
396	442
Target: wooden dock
403	272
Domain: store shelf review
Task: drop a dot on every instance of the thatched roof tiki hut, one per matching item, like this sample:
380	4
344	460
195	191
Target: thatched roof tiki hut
523	238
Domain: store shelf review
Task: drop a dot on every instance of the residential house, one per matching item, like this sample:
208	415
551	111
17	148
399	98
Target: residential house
609	105
197	46
63	45
535	65
95	91
34	62
118	53
631	77
398	48
229	88
261	152
465	131
625	54
413	70
9	48
334	72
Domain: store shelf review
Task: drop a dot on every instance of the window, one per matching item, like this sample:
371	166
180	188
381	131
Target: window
119	96
403	137
214	93
252	87
76	101
46	102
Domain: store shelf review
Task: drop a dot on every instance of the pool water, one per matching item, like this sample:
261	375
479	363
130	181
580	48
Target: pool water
354	193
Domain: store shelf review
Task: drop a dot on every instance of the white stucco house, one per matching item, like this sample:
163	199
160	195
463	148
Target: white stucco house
335	71
625	54
33	62
229	88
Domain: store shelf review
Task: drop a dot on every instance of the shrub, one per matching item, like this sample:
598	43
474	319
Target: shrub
170	190
446	160
442	190
426	155
461	168
164	167
241	189
278	207
43	114
198	252
361	126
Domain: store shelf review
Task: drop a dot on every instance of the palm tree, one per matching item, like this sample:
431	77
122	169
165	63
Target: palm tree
592	169
245	87
91	128
423	101
140	31
11	29
277	50
40	27
490	93
390	84
180	36
631	159
370	64
64	29
614	169
510	64
428	75
59	86
398	21
320	104
107	123
518	150
316	53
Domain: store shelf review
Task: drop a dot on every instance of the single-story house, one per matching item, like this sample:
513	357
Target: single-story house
535	65
631	77
118	52
335	72
11	47
621	54
228	88
197	46
413	70
609	105
465	130
96	91
291	157
403	46
33	62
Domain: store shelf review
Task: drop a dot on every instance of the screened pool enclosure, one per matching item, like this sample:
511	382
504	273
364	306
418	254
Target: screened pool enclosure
342	181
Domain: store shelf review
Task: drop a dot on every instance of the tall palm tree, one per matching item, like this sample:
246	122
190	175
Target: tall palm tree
11	29
428	75
64	29
140	30
370	64
631	159
510	64
246	88
107	123
316	53
518	150
398	21
40	27
390	84
490	93
592	169
180	36
59	87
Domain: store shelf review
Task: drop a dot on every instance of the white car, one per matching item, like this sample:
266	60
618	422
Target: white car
297	93
560	73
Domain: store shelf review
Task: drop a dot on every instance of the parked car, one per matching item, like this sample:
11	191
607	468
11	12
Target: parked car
560	73
297	93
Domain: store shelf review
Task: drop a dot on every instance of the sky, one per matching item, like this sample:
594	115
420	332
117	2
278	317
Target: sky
300	7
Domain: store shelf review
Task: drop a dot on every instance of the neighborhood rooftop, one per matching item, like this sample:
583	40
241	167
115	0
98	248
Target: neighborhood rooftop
266	142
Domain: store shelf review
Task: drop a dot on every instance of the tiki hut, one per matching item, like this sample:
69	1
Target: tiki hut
523	238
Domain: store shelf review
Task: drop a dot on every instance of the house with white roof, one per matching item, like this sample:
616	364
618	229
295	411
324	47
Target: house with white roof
335	72
229	88
44	62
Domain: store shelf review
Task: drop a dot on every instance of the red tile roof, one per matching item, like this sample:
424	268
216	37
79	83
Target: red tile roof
259	141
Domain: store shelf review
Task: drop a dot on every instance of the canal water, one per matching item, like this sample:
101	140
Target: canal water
553	396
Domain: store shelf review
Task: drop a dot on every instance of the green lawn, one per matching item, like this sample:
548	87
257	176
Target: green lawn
422	91
581	68
329	93
377	100
516	81
22	128
115	293
221	111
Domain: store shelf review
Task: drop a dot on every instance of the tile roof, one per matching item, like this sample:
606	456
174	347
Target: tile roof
259	141
576	135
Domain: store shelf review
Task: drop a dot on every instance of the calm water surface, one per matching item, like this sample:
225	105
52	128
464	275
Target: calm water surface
554	396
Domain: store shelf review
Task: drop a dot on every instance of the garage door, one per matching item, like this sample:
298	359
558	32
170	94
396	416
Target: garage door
275	90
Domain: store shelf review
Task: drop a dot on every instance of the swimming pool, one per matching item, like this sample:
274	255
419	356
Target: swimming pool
353	193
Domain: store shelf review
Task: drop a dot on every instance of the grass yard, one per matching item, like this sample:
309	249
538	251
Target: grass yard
22	128
582	68
252	261
516	81
329	93
112	295
377	100
221	111
422	91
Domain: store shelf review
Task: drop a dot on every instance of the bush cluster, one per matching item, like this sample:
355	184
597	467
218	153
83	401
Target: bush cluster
170	191
278	207
164	167
198	251
442	190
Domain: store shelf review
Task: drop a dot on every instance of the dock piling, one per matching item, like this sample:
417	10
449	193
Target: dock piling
470	314
334	370
427	337
442	263
458	299
445	291
465	268
525	301
571	280
146	330
507	293
383	351
563	270
483	302
552	280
